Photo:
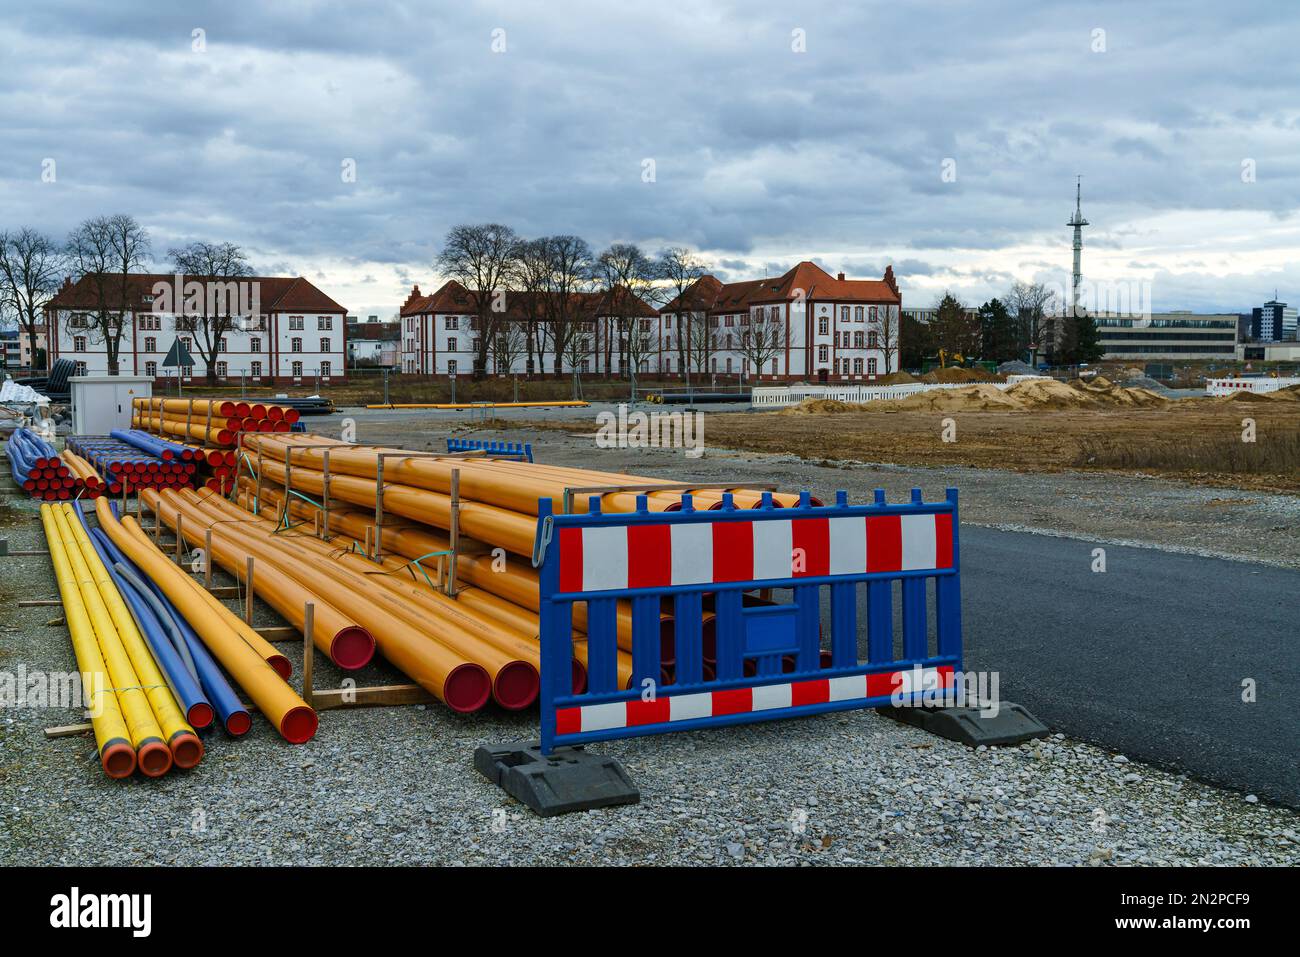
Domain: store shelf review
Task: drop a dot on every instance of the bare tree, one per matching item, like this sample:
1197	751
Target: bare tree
30	267
531	276
105	252
626	277
1030	303
703	337
679	270
482	259
507	346
220	267
761	339
887	325
566	305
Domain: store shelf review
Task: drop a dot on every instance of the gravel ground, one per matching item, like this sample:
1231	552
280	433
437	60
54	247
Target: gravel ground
397	785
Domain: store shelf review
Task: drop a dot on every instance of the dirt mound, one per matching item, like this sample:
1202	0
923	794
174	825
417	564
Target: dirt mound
958	374
1101	381
1244	396
814	406
895	378
1016	367
1032	395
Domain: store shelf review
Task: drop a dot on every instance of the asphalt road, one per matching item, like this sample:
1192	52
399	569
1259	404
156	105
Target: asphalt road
1147	658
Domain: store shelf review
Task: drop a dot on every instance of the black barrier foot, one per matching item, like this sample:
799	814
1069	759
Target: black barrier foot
972	725
568	780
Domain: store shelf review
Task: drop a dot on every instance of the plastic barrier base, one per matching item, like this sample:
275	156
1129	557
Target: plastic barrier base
568	780
1011	725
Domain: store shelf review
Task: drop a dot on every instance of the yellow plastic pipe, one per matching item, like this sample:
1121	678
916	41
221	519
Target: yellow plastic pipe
186	748
292	718
153	757
112	739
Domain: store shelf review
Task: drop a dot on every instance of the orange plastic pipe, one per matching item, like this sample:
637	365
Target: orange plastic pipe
428	659
289	713
347	644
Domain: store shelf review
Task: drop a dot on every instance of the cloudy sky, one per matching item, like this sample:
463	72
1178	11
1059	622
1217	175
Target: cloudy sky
942	137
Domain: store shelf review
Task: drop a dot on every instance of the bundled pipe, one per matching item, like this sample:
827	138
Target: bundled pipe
186	749
161	448
347	644
220	630
434	661
153	757
149	619
230	710
37	468
112	739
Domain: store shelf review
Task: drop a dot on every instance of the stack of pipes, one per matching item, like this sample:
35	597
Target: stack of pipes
128	466
212	422
44	474
490	622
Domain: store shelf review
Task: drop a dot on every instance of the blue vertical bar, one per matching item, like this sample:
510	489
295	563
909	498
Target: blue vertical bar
808	626
916	643
555	632
645	639
880	621
844	625
602	645
688	616
730	626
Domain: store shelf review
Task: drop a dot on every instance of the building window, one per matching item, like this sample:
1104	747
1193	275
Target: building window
297	370
728	363
325	370
223	345
451	344
324	322
775	313
474	346
774	361
151	369
875	313
451	322
857	367
729	320
844	313
255	370
858	340
823	326
451	367
187	371
81	368
857	313
668	322
823	353
295	322
221	370
873	340
186	342
325	344
79	344
254	345
150	344
871	366
586	365
295	344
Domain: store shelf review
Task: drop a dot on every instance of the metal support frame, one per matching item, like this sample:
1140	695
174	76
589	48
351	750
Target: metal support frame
570	492
377	540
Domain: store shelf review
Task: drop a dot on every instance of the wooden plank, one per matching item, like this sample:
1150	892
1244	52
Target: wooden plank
280	633
225	591
376	696
39	602
68	730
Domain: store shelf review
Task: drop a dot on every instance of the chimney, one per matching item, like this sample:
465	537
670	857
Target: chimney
840	277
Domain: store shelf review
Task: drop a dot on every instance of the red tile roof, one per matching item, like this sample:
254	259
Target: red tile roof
454	298
708	293
277	293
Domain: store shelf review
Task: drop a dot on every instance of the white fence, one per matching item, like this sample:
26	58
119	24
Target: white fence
1262	384
775	397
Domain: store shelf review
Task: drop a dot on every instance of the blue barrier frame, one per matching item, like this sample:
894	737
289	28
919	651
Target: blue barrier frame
523	451
774	637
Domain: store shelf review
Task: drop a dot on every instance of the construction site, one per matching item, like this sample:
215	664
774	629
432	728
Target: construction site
475	636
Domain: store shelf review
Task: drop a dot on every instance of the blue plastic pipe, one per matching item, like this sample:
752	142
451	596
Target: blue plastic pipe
234	716
198	710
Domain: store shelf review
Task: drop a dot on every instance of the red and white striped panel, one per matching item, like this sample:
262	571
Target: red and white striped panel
715	704
697	553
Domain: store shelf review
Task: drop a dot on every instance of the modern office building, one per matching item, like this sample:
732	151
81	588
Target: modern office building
1169	335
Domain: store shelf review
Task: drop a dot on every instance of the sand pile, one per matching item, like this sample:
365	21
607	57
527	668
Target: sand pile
958	374
1033	395
1016	367
895	378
